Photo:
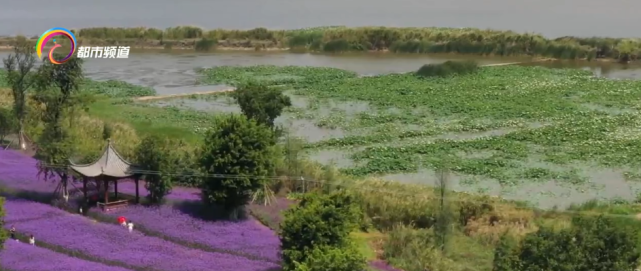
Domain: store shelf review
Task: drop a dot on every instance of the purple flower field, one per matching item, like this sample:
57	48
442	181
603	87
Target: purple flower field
247	236
18	171
114	243
25	257
382	266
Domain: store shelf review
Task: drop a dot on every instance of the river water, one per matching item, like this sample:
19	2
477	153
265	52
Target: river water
171	73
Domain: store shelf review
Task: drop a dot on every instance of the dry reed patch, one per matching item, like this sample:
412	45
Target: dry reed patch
490	227
6	98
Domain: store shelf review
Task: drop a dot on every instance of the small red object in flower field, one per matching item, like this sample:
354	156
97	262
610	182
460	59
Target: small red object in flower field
121	219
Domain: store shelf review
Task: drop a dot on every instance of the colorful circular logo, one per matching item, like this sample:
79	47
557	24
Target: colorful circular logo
49	35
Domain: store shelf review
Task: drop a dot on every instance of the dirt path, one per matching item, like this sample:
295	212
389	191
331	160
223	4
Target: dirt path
171	96
502	64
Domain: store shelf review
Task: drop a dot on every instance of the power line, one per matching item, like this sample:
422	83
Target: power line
360	187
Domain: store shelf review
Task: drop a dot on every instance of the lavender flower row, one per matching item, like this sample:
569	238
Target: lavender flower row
25	257
248	237
113	243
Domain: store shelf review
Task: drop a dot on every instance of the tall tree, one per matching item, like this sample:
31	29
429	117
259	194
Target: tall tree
261	103
158	154
19	66
242	151
57	90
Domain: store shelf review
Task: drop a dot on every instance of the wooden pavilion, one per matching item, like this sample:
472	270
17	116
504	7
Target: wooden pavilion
110	167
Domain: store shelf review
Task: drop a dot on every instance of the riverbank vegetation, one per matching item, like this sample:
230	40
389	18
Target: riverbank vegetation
392	124
344	39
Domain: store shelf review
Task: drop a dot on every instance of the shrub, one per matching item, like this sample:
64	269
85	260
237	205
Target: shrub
597	244
3	234
506	256
8	123
204	45
317	232
414	250
471	210
447	68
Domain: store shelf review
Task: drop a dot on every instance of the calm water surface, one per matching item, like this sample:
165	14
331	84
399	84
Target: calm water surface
171	73
553	18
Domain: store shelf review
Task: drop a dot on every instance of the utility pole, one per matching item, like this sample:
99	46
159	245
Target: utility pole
443	218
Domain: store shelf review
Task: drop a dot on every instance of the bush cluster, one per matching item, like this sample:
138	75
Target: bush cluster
447	68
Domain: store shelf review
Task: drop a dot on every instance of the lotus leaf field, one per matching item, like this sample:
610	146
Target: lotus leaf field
509	125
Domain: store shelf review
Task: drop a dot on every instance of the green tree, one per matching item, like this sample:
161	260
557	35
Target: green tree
261	103
607	243
506	256
7	123
3	233
20	78
158	154
57	90
317	231
590	244
242	151
550	250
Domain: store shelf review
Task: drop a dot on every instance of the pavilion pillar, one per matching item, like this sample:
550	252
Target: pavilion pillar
116	188
106	183
136	179
84	187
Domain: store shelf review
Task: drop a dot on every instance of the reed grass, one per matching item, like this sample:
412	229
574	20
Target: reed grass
400	40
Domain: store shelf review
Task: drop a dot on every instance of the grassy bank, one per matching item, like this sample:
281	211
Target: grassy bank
343	39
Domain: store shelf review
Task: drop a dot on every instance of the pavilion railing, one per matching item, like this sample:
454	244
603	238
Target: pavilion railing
112	204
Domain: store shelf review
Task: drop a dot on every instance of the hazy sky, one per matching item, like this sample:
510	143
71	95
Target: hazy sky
617	18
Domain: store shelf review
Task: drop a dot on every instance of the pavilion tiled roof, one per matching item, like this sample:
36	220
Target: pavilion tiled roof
111	164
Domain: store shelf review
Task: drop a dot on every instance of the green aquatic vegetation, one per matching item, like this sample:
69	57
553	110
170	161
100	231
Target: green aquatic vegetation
631	176
447	68
510	112
273	75
116	89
